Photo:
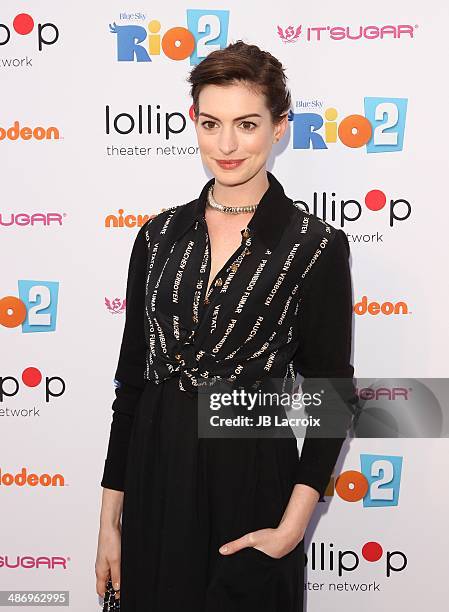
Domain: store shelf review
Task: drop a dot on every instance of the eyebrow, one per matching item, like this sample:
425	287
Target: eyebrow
236	119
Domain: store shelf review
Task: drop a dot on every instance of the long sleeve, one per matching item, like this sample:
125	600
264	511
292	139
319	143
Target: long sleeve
324	353
129	376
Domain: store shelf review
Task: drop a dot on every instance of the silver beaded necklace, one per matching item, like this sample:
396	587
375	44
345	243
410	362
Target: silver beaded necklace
233	210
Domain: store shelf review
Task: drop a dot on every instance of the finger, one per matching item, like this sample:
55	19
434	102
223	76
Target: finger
231	547
115	577
102	578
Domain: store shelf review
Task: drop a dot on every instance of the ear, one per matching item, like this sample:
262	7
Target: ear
280	128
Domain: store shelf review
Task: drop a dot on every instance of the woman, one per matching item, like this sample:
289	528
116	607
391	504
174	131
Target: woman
238	285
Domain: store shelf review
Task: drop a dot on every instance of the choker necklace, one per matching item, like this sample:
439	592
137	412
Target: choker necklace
233	210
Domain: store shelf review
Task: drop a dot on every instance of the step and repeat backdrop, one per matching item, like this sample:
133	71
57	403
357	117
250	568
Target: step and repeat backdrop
95	135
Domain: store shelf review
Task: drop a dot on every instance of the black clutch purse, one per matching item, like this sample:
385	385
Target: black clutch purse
109	601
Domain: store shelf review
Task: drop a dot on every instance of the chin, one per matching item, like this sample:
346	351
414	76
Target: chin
226	179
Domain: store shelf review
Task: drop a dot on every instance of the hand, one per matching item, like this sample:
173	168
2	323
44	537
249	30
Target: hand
107	563
273	542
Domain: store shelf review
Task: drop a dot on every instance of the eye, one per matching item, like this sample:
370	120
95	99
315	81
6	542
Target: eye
248	126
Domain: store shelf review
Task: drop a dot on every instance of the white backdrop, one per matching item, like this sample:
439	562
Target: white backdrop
62	258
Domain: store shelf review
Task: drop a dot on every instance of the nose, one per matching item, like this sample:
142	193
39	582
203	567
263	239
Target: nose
227	142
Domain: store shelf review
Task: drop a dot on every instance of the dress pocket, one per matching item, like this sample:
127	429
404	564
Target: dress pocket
268	559
250	580
263	556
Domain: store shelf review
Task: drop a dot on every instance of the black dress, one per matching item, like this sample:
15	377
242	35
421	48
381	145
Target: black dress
281	304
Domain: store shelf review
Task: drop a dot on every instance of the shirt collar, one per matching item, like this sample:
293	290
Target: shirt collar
268	222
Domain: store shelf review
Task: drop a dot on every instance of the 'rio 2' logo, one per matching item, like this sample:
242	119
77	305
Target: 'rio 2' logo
377	483
206	31
35	308
381	129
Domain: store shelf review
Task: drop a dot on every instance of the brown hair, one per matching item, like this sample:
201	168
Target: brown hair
247	63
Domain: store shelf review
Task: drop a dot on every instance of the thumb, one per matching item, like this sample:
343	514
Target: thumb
231	547
227	548
115	578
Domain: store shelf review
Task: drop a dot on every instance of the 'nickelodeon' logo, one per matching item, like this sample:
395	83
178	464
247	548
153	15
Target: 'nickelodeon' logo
15	132
376	308
128	220
32	480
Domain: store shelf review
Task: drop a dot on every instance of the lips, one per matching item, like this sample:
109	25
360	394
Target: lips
229	164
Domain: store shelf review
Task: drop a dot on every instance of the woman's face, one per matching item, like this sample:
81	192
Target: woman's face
235	132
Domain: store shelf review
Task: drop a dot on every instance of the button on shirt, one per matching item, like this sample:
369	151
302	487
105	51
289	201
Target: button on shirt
281	305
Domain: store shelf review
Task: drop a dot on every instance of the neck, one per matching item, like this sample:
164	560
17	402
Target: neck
249	192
